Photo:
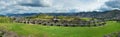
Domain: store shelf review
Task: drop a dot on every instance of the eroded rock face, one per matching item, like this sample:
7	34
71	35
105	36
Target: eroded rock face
4	33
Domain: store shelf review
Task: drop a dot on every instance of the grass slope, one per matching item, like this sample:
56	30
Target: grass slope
54	31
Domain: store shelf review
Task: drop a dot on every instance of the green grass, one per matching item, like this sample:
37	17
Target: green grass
68	18
87	19
5	20
54	31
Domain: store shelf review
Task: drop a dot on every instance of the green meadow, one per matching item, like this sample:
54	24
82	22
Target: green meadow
56	31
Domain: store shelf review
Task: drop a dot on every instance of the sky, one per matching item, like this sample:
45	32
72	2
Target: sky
56	6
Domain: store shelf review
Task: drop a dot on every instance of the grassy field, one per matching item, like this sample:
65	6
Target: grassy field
5	20
54	31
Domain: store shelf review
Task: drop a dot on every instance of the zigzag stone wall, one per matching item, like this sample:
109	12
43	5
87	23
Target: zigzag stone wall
62	22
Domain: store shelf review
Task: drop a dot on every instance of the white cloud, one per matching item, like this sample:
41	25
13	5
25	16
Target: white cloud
81	5
44	6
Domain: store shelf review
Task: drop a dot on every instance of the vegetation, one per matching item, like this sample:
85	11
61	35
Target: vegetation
5	20
55	31
67	18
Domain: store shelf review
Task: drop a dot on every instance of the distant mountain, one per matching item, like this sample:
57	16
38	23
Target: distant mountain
2	15
94	14
112	14
22	15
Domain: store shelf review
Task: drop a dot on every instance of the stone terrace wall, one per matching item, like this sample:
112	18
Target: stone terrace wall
62	22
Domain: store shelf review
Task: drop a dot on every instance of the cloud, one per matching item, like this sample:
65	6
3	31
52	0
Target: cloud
34	3
113	4
81	5
56	6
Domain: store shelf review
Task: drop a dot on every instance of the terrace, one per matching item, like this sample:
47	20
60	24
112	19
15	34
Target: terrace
55	21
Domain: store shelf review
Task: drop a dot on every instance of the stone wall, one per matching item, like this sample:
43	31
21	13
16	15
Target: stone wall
62	22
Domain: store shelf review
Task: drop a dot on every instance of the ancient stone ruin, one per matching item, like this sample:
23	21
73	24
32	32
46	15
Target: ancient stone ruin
59	22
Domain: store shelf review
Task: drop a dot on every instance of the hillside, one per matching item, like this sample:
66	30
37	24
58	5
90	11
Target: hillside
38	30
107	14
54	31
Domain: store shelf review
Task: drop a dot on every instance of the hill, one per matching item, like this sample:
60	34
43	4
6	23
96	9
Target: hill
30	30
54	31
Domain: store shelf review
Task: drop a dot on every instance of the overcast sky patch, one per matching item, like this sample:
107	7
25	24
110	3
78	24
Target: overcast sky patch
56	6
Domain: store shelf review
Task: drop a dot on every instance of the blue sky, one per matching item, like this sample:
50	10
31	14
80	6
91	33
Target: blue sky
56	6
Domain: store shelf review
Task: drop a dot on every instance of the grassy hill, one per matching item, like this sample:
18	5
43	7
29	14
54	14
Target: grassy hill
5	20
55	31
